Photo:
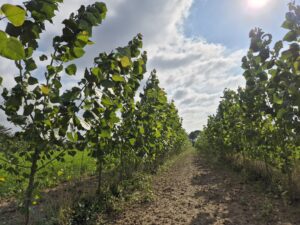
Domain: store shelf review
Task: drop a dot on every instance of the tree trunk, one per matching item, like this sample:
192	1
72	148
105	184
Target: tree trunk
30	187
100	168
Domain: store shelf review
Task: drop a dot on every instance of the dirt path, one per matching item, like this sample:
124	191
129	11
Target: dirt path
191	192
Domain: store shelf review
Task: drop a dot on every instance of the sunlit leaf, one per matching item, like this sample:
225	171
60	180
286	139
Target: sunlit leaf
11	47
125	62
118	78
15	14
45	90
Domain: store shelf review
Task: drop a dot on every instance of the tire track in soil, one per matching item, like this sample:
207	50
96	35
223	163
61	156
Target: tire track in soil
192	192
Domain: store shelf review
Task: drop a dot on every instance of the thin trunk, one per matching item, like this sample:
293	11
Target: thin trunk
81	166
100	167
122	165
30	187
291	185
268	170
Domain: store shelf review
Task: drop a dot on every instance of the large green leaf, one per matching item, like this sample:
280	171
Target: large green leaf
11	47
15	14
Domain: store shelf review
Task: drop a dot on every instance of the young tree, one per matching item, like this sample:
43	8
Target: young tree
37	106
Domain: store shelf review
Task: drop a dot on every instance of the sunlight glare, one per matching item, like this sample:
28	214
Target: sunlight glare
256	4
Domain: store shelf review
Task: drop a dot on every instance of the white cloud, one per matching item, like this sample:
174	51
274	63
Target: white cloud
192	71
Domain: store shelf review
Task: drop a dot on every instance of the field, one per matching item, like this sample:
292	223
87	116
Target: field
73	168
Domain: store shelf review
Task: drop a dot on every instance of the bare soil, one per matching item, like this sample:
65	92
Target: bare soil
192	192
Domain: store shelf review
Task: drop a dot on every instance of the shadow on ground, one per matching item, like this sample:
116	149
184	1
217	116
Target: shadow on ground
227	199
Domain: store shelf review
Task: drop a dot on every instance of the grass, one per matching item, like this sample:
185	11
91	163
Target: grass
74	167
170	161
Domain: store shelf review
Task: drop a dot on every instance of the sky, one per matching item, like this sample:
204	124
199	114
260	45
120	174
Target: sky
196	46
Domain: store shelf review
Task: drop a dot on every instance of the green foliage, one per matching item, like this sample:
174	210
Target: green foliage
194	135
10	47
44	115
261	121
70	168
15	14
98	115
160	128
71	69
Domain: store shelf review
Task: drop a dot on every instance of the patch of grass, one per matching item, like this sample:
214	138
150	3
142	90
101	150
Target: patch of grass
74	167
267	211
170	161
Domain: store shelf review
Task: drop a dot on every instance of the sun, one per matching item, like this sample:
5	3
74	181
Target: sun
257	4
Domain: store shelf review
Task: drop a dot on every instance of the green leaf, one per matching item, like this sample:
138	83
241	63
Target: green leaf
71	69
73	137
1	80
84	25
287	25
118	78
91	18
106	102
11	47
108	84
30	65
15	14
101	7
14	49
290	36
28	109
57	83
3	38
280	113
32	81
157	134
43	57
90	42
105	134
45	90
132	141
59	173
28	52
83	36
278	46
277	99
96	71
141	129
78	52
125	62
48	9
